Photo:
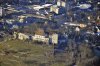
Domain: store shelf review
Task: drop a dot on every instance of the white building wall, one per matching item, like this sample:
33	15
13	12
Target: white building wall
58	3
22	36
63	4
55	38
54	9
40	38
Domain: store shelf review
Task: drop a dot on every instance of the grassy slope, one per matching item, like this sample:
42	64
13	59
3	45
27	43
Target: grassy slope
20	53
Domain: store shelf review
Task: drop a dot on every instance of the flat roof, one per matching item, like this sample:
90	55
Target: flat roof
43	6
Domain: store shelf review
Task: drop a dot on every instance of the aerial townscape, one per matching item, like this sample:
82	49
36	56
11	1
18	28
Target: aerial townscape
49	33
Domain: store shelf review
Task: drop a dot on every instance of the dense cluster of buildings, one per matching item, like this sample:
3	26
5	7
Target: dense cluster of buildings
39	38
66	14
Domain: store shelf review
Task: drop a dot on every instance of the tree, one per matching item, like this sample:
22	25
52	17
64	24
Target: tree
39	31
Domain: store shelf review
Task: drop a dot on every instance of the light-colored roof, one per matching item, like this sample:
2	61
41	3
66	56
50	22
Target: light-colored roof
46	5
43	6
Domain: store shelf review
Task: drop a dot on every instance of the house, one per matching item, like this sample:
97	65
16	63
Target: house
77	29
61	3
22	36
40	38
54	38
54	9
21	18
39	7
57	9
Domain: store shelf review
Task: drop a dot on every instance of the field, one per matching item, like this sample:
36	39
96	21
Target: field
22	53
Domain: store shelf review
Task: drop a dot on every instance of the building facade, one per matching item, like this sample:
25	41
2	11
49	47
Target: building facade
54	38
40	38
61	3
22	36
54	9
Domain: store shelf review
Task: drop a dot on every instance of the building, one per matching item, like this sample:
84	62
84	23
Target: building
40	38
22	36
57	9
21	18
54	38
54	9
39	7
77	29
61	3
